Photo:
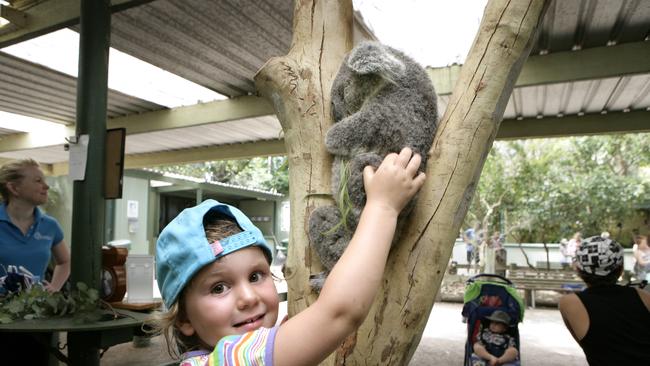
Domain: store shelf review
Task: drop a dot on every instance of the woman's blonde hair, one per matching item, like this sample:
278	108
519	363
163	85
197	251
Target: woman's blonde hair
13	172
217	226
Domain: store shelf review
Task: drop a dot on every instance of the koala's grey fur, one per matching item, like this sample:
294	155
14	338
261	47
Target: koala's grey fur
382	101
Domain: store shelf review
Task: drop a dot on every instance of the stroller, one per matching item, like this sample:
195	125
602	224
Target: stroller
485	293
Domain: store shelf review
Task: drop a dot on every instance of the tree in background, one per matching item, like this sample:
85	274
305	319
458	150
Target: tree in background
267	173
543	190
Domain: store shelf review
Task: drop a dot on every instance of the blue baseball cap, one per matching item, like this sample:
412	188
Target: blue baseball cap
182	248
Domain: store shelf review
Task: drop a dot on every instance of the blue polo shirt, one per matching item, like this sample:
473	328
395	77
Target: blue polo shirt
31	251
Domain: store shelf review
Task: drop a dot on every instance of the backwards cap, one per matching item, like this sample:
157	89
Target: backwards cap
183	249
599	256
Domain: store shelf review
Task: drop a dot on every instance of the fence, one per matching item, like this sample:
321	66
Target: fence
535	252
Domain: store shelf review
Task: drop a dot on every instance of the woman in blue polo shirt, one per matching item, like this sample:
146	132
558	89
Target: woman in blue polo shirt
28	237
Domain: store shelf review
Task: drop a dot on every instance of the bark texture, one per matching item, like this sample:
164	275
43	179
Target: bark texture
298	85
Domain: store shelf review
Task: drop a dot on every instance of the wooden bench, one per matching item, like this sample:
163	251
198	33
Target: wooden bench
530	281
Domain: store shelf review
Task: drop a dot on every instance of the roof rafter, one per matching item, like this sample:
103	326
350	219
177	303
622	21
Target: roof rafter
199	114
193	155
588	124
561	67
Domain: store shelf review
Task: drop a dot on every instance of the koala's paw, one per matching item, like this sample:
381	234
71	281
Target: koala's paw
326	236
338	139
355	187
317	281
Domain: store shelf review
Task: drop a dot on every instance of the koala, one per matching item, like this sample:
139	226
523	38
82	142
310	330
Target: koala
382	101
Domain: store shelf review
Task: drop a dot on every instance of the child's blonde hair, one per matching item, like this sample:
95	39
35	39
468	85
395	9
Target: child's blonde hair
13	172
217	227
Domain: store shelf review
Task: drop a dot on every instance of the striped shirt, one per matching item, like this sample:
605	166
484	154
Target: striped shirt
252	348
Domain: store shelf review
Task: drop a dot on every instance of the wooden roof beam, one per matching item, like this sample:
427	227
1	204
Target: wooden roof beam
195	115
50	16
574	125
194	155
591	63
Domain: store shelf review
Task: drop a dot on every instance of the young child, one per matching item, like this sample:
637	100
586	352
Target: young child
214	277
494	346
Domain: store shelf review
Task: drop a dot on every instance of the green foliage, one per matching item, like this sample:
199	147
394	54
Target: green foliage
544	190
267	173
37	303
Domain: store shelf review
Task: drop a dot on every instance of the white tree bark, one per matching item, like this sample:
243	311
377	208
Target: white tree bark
298	85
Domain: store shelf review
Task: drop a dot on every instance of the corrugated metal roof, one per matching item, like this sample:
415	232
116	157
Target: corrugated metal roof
158	174
578	24
581	97
239	131
244	130
44	155
33	90
620	94
572	25
217	44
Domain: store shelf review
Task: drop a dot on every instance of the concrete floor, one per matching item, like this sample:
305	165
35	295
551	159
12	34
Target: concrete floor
544	339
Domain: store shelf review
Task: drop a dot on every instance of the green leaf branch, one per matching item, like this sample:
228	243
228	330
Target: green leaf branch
37	303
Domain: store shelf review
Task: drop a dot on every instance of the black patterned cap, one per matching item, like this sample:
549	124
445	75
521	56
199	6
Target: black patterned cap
599	256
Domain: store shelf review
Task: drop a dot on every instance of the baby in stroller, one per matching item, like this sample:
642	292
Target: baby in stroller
494	345
492	310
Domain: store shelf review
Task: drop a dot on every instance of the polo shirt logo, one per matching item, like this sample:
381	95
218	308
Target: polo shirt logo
39	236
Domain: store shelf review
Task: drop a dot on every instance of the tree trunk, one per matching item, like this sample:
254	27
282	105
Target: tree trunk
526	256
548	256
298	85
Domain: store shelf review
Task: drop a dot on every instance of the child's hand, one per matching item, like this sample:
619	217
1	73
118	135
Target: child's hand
395	182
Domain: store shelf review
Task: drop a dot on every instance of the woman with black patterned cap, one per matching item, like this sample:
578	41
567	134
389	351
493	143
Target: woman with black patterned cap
610	322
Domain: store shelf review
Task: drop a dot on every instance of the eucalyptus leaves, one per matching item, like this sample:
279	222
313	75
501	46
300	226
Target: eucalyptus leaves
37	303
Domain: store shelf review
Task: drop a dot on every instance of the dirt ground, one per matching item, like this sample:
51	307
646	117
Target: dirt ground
544	339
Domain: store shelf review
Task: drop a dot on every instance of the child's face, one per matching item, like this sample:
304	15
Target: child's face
233	295
498	327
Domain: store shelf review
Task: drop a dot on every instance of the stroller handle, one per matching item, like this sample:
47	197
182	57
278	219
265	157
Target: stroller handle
490	275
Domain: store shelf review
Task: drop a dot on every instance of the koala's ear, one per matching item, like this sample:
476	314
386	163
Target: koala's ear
375	58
